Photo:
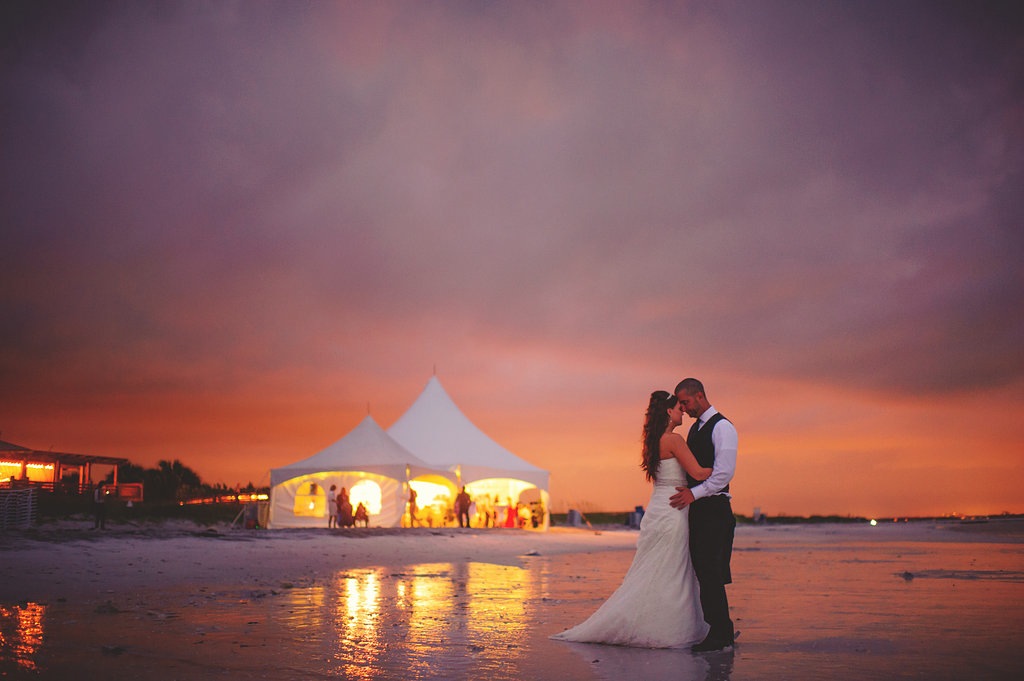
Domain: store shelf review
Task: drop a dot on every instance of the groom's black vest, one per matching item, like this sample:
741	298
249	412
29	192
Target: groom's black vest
699	442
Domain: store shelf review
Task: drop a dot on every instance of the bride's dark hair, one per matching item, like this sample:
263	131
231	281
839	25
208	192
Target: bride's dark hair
655	424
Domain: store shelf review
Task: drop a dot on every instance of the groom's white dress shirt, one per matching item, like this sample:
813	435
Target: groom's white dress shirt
726	443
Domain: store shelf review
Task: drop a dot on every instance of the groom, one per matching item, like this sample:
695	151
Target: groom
713	441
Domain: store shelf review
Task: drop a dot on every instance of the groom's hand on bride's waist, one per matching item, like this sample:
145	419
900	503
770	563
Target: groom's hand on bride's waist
682	498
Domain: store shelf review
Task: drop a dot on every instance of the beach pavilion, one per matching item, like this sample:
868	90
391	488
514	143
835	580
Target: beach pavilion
437	431
368	463
47	469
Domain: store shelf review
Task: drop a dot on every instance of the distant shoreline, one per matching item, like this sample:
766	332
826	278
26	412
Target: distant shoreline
78	508
79	528
609	518
210	515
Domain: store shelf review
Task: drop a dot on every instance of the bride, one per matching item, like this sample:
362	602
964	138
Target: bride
658	603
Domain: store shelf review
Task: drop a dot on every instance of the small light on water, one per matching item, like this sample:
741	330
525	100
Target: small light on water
873	522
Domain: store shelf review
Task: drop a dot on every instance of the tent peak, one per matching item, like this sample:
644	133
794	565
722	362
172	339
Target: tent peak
436	430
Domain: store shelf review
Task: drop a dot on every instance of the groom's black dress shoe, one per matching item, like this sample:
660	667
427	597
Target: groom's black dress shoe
709	645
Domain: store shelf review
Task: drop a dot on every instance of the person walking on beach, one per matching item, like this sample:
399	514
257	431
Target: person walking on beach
713	440
99	506
462	502
657	605
332	506
413	510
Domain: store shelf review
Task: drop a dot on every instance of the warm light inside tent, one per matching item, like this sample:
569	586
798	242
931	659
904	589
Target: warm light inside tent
506	502
498	490
369	494
431	493
434	502
310	500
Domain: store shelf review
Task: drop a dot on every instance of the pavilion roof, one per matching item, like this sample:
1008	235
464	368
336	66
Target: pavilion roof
9	450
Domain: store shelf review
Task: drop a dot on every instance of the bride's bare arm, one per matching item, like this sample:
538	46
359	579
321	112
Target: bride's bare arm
676	445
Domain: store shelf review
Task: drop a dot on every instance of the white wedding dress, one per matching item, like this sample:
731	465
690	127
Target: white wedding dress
658	603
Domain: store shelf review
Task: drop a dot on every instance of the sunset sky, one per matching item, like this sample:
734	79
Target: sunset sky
231	228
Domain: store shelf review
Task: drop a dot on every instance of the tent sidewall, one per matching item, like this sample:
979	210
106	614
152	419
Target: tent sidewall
283	496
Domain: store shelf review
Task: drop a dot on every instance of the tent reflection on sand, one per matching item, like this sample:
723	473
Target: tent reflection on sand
433	449
435	430
367	462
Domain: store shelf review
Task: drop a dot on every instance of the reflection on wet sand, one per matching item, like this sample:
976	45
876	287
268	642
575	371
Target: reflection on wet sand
356	619
432	609
21	636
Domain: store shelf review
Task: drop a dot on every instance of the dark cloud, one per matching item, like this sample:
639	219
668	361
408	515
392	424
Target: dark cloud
821	191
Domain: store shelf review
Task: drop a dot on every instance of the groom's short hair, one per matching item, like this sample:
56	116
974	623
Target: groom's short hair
691	386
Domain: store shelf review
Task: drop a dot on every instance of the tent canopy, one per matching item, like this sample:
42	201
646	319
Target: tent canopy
435	430
365	458
367	448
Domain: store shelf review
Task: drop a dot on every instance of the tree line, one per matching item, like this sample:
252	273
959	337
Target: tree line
172	481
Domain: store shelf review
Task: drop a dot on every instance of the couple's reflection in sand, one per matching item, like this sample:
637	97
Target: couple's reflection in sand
651	664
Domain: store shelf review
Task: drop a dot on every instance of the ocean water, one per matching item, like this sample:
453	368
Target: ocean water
809	605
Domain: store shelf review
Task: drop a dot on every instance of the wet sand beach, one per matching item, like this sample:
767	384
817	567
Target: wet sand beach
919	600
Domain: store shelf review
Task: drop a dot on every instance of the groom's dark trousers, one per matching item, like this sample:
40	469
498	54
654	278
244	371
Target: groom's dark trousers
712	527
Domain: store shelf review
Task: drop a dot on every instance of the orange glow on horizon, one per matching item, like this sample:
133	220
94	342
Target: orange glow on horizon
830	454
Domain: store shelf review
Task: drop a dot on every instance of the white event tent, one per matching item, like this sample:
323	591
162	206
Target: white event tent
435	430
372	466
